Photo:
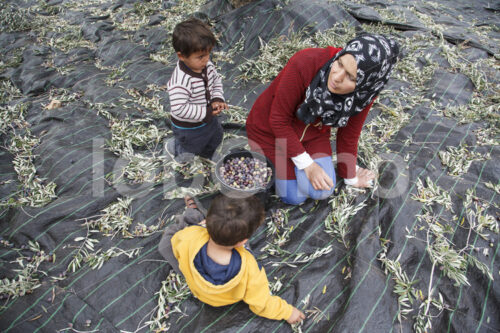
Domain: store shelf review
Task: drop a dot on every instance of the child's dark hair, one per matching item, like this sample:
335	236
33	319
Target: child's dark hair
191	36
231	220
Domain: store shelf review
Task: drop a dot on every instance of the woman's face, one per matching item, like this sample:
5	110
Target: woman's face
342	77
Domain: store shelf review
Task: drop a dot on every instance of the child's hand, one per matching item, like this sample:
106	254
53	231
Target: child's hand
296	317
217	107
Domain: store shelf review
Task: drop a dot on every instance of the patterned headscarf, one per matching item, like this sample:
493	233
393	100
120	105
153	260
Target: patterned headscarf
375	56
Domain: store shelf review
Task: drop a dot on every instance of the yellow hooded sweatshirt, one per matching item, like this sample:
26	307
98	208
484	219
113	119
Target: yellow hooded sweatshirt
249	285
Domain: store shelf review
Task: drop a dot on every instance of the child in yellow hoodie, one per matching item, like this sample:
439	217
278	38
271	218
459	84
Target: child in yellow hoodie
217	267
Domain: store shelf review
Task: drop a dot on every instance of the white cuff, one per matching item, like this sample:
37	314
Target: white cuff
302	161
354	181
351	181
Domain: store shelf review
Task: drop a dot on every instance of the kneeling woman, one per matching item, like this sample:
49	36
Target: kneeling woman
320	88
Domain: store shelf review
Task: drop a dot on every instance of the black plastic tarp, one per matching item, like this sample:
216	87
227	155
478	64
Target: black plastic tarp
360	261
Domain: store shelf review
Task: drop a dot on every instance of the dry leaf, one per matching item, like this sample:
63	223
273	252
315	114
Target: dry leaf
35	318
54	104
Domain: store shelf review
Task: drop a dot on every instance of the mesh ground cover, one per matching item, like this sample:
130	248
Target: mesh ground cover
86	187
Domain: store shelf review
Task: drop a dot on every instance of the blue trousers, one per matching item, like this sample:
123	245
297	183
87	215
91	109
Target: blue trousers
202	141
296	191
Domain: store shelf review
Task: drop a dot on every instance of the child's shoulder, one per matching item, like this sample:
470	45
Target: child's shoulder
195	229
211	66
192	231
189	238
249	258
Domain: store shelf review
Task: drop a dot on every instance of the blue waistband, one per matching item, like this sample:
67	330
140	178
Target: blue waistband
188	128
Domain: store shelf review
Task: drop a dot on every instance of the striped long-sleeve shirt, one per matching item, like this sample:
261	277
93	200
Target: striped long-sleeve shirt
192	93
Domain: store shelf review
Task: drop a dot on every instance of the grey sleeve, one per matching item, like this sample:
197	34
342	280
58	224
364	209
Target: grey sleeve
165	246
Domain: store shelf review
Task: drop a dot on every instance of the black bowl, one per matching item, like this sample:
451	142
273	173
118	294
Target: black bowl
227	190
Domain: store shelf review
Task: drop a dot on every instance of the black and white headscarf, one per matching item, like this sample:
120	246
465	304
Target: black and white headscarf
375	56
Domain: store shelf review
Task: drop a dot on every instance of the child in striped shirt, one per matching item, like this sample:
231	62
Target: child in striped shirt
195	91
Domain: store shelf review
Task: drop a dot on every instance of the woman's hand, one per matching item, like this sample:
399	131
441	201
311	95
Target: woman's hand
318	177
365	178
296	317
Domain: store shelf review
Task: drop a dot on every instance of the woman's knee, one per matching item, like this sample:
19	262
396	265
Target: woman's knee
321	195
305	186
288	192
293	200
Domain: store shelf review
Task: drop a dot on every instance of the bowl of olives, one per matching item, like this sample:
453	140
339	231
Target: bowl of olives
242	173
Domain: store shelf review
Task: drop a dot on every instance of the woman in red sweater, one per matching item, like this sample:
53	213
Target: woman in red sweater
320	88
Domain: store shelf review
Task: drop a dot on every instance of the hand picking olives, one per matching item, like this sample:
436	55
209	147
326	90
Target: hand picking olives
245	173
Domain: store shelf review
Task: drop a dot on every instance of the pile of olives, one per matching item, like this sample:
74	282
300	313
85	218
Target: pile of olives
245	173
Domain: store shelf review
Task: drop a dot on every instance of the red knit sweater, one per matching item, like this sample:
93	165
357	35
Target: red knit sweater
273	117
